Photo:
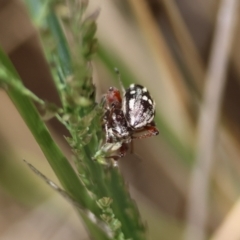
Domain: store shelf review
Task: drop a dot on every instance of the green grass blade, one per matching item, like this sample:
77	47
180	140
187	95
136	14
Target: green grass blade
55	157
100	181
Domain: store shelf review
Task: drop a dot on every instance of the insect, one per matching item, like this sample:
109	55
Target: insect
117	131
139	111
127	118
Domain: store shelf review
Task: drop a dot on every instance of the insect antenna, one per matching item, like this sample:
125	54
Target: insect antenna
133	153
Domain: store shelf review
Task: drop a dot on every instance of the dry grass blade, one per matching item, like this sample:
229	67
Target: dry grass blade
189	51
215	80
158	47
229	229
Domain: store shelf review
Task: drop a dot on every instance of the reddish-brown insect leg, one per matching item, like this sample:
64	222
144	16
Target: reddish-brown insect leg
121	152
147	131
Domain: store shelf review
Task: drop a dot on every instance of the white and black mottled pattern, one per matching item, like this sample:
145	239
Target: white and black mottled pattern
138	106
116	126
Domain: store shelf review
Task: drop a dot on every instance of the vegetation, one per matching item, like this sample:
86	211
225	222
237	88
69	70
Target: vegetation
192	194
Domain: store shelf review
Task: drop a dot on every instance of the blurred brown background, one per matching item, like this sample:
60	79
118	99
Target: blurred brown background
168	45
